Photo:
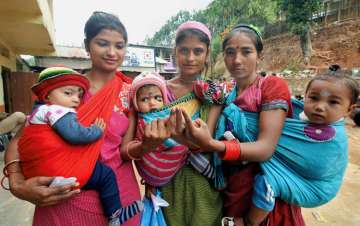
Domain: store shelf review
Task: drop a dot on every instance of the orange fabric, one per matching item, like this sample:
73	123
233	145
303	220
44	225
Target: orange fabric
44	153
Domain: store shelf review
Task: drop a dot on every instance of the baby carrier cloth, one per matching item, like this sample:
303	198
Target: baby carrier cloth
309	162
158	166
44	153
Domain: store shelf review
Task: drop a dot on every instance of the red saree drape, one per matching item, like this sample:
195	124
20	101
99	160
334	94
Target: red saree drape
44	153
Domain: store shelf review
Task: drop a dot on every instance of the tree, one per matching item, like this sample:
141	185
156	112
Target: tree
218	15
299	14
166	34
221	15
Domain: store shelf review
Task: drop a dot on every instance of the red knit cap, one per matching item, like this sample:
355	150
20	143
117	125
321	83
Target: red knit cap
55	77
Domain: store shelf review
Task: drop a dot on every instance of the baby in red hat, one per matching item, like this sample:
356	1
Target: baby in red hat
62	89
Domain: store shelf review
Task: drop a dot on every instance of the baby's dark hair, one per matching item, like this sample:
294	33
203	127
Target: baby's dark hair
335	73
102	20
251	31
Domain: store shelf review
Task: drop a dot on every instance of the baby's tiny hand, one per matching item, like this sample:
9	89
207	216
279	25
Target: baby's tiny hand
99	122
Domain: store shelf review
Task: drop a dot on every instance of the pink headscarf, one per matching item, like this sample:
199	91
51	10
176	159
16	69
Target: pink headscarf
148	78
194	25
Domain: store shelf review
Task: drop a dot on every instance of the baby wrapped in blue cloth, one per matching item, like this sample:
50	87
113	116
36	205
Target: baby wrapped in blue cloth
310	159
308	165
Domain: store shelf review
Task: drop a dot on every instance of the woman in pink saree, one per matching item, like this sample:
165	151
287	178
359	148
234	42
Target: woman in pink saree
105	42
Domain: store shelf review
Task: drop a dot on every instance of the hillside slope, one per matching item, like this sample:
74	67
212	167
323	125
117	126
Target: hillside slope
337	43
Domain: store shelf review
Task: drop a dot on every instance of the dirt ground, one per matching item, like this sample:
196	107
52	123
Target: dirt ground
336	43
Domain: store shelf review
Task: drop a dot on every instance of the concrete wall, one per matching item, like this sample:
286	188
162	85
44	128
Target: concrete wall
62	61
8	62
18	19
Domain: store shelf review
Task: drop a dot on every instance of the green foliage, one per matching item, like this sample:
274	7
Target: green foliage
216	47
221	15
299	13
165	36
218	15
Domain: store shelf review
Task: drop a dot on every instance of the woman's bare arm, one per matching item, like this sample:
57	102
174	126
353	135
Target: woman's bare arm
213	117
270	126
129	136
34	190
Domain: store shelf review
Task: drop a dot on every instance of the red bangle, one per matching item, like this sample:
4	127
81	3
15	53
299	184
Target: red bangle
232	150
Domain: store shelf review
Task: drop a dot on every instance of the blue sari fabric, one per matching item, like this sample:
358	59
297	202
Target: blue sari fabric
150	116
308	165
165	113
199	161
150	215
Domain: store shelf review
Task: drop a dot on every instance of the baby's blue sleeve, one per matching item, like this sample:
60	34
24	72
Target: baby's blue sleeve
73	132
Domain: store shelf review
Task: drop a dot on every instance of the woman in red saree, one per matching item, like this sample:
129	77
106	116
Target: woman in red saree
105	41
